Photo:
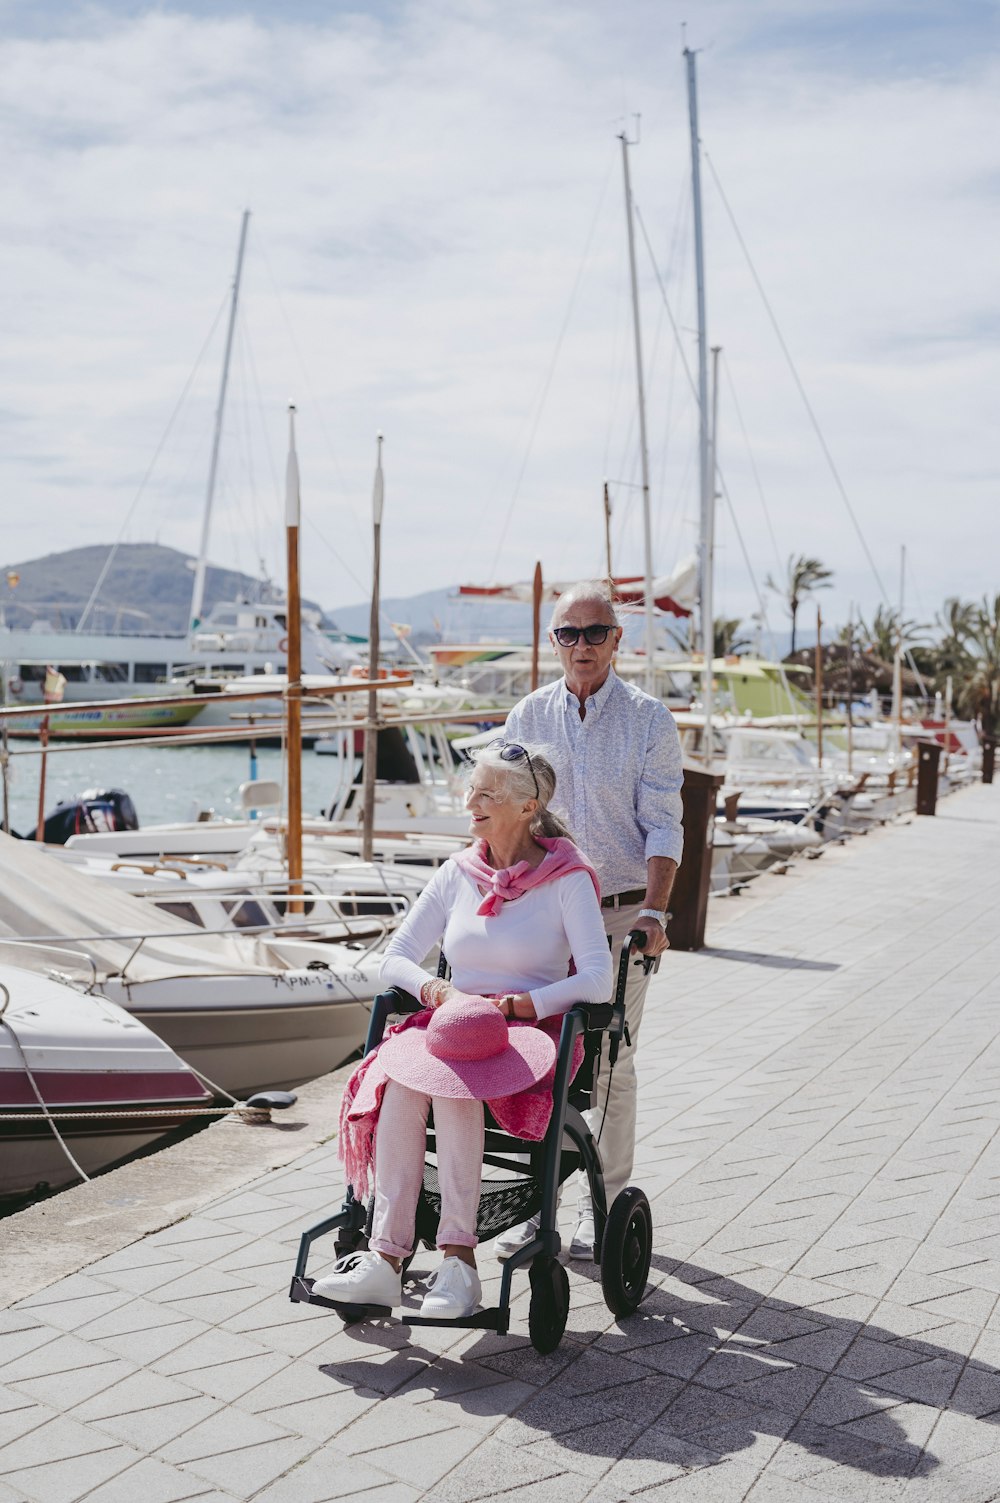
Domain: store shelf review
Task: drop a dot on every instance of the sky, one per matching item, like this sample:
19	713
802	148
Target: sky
437	251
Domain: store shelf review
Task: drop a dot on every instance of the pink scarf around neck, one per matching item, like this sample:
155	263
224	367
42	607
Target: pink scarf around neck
561	858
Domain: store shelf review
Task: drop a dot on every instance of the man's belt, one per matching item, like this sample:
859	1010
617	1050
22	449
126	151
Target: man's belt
623	899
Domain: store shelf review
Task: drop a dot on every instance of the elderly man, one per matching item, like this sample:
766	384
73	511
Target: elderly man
617	759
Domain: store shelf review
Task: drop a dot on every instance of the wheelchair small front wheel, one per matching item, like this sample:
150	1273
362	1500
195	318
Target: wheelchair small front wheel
626	1251
549	1308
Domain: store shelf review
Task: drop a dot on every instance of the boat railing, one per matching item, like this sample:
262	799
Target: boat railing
59	946
50	944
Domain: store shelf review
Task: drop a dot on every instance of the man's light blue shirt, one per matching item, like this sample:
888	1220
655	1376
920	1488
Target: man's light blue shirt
618	774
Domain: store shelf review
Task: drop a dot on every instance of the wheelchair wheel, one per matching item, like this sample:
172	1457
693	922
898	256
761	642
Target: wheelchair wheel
549	1308
626	1251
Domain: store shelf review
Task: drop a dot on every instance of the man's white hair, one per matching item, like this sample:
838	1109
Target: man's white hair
590	591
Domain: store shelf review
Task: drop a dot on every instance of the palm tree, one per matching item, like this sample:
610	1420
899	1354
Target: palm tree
979	696
804	575
956	622
887	630
726	637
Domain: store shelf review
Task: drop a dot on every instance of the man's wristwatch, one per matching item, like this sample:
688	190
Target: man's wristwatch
659	914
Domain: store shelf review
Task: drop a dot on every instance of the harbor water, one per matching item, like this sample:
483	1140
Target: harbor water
166	783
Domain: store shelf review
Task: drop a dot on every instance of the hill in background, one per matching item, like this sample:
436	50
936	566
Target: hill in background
147	589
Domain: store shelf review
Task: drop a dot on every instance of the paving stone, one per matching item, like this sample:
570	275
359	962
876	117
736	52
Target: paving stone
328	1474
247	1471
149	1429
424	1461
146	1481
70	1479
58	1438
26	1417
490	1469
322	1418
138	1391
65	1389
226	1430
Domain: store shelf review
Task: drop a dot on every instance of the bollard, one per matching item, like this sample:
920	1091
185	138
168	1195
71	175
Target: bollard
689	899
989	754
928	762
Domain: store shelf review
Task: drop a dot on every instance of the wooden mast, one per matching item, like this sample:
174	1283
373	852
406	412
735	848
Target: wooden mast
293	684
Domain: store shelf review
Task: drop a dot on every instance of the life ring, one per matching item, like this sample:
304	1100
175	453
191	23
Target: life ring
283	645
16	686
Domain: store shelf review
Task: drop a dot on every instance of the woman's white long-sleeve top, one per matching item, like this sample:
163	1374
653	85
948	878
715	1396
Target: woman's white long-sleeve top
526	947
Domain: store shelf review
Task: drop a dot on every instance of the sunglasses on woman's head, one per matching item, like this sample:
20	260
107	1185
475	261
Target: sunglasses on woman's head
568	636
510	751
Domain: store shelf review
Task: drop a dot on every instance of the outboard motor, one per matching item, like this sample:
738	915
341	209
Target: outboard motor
92	813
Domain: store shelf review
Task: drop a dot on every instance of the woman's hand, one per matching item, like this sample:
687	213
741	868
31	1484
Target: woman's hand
517	1005
436	992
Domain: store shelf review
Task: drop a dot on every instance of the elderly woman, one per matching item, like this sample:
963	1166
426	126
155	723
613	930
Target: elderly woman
518	916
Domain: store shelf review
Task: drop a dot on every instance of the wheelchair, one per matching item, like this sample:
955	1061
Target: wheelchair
528	1184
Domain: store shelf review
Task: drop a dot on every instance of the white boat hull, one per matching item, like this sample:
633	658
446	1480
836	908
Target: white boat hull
249	1032
110	1085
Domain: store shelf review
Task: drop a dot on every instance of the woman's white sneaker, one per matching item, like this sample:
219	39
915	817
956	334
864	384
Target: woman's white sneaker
362	1278
454	1291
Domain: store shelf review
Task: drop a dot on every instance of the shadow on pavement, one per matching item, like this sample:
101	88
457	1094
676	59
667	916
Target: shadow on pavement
704	1370
779	962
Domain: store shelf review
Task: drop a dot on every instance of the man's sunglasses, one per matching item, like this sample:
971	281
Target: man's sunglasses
568	636
510	751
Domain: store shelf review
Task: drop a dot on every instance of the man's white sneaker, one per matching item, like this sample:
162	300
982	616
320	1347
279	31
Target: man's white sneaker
454	1291
362	1278
518	1236
582	1245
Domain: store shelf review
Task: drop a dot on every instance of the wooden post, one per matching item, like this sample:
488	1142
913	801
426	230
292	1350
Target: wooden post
43	741
689	899
819	688
989	757
293	684
536	623
850	691
928	761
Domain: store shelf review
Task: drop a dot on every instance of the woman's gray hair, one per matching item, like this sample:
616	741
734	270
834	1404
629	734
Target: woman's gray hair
589	591
520	784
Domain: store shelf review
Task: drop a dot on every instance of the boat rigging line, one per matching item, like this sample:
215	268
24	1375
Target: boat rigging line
95	593
547	381
753	463
814	420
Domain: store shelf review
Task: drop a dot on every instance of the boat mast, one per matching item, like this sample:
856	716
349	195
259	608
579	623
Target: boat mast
705	468
198	592
647	532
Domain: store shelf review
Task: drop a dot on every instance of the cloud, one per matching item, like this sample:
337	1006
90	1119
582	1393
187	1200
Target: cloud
437	243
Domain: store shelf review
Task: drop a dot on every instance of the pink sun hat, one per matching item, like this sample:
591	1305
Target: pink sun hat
468	1052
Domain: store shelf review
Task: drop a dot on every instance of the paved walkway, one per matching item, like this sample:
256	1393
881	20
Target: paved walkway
821	1106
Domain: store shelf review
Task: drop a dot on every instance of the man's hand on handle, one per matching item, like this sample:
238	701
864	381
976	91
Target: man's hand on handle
656	937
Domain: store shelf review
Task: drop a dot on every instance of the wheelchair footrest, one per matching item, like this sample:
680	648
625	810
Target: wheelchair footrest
494	1319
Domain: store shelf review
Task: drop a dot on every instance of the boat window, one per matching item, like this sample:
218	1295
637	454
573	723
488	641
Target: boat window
73	673
150	673
246	914
31	673
186	912
110	673
236	669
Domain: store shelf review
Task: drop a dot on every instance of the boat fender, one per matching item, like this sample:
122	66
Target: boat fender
283	645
